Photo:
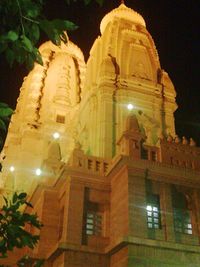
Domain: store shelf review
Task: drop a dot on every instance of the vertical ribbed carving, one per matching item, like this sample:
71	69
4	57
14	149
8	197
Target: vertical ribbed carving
46	62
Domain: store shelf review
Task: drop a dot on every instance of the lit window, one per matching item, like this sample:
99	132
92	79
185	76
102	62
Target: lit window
153	212
93	223
149	208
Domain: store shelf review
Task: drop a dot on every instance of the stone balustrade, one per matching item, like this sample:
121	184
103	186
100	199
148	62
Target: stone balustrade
88	163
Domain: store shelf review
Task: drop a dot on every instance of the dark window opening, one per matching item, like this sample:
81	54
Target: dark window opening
153	156
60	119
144	153
181	212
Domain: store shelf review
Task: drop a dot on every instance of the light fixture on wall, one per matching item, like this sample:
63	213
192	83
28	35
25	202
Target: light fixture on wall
38	172
56	135
12	168
130	106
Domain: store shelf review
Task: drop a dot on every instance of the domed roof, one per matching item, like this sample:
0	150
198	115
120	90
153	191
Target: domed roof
123	12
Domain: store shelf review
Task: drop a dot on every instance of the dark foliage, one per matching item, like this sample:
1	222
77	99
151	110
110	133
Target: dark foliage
12	225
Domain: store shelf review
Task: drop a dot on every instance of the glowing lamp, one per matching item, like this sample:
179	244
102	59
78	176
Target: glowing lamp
12	168
56	135
130	106
38	172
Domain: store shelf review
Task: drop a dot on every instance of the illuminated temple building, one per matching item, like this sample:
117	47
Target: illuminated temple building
95	147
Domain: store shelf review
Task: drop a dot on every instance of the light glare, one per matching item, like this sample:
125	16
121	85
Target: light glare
12	168
38	172
130	106
56	135
149	208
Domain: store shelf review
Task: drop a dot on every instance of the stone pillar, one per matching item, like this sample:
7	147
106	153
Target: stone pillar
167	213
49	211
137	206
196	198
75	213
107	123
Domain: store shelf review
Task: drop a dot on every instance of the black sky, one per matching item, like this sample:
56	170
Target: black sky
175	28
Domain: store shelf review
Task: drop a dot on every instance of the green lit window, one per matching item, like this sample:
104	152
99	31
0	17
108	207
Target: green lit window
153	212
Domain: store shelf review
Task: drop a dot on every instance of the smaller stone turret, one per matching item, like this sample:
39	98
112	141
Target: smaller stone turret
130	141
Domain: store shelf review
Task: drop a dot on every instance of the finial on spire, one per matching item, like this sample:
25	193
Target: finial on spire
122	1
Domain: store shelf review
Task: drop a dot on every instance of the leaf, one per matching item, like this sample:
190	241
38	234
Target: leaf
33	11
5	199
46	26
55	28
38	56
14	199
5	112
34	35
22	195
27	43
63	25
30	60
12	36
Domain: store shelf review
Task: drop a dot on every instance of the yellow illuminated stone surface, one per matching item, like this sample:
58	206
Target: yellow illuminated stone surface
88	103
98	133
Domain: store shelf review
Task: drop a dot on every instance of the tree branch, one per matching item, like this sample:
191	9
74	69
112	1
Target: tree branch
34	21
20	13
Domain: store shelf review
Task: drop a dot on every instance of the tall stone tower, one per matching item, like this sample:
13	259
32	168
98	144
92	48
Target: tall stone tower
118	188
46	110
124	68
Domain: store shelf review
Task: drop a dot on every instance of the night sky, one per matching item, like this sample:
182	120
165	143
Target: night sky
175	28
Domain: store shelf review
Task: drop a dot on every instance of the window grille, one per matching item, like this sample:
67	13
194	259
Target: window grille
93	223
153	212
182	221
60	119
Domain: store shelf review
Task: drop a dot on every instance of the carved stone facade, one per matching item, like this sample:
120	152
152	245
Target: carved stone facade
117	186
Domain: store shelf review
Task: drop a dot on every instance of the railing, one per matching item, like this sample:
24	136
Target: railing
89	163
